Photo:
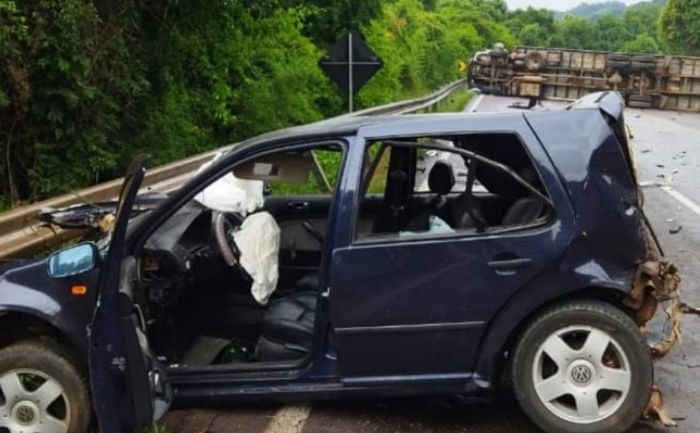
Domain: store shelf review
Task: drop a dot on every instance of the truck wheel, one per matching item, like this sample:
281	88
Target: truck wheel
639	104
640	98
534	61
42	390
616	64
644	59
497	54
619	57
583	367
643	66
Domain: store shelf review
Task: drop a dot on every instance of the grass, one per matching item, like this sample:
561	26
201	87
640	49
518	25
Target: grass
456	101
155	428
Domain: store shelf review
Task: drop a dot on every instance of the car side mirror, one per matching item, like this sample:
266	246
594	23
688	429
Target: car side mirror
74	260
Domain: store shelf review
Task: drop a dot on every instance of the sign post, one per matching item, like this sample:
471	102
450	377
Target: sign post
350	89
350	64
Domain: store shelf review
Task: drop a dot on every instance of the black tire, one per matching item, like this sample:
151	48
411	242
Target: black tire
614	64
639	104
619	57
534	61
640	98
623	335
60	364
497	54
643	59
642	66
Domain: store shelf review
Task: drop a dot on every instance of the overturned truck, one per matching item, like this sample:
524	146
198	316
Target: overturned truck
645	81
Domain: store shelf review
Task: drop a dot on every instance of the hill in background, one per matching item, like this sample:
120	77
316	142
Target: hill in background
593	11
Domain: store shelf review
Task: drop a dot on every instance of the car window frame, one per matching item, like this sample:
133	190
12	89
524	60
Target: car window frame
223	167
541	224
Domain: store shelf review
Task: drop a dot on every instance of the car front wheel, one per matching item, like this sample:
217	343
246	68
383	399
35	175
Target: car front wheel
42	390
583	367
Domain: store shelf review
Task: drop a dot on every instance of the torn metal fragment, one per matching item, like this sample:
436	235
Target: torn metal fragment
655	408
656	282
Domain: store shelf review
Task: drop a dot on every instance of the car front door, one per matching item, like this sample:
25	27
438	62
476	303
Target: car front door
415	308
129	387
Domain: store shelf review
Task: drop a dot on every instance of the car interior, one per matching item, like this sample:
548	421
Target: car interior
198	305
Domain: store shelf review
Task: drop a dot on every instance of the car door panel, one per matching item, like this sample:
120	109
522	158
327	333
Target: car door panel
129	386
420	307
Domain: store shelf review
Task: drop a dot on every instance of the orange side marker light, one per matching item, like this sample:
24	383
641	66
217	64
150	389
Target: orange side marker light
79	290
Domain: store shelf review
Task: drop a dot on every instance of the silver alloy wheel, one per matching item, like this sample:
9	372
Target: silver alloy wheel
32	401
581	374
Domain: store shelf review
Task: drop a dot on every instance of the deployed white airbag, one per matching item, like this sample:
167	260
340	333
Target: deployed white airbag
258	241
231	194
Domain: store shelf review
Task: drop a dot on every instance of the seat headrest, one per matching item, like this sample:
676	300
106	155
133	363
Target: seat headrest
441	179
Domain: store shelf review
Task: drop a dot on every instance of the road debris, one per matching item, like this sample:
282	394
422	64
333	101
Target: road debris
656	282
675	230
687	309
655	409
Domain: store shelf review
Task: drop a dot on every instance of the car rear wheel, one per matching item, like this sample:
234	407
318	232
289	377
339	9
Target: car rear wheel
42	390
583	367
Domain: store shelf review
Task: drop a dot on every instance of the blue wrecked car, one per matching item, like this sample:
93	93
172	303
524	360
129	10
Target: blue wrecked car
360	257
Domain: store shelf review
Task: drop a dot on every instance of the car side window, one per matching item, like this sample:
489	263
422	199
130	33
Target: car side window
437	186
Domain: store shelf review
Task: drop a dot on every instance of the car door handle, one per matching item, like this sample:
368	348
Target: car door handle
298	205
508	267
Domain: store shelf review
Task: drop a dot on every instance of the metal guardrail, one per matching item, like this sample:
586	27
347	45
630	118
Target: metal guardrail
22	235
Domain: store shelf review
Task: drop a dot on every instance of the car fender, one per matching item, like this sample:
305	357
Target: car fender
590	279
27	289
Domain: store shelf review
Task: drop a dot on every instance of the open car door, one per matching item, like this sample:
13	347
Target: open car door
129	387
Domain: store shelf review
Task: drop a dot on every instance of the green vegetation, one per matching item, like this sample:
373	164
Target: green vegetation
456	101
679	26
631	29
594	10
157	429
87	84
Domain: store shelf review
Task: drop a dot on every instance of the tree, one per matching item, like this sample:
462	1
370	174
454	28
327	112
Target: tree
609	34
574	32
520	18
533	35
679	26
641	44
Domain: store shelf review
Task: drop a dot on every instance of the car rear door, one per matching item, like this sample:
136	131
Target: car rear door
129	386
415	309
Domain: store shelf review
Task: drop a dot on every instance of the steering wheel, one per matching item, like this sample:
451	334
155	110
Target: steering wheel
223	232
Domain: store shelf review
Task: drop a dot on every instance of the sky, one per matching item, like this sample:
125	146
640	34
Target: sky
558	5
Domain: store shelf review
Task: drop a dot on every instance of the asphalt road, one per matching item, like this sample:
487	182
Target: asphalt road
668	149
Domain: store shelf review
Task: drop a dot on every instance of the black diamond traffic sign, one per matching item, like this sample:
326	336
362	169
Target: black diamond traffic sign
351	63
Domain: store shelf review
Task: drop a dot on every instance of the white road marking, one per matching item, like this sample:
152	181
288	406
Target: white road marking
289	419
472	106
681	198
